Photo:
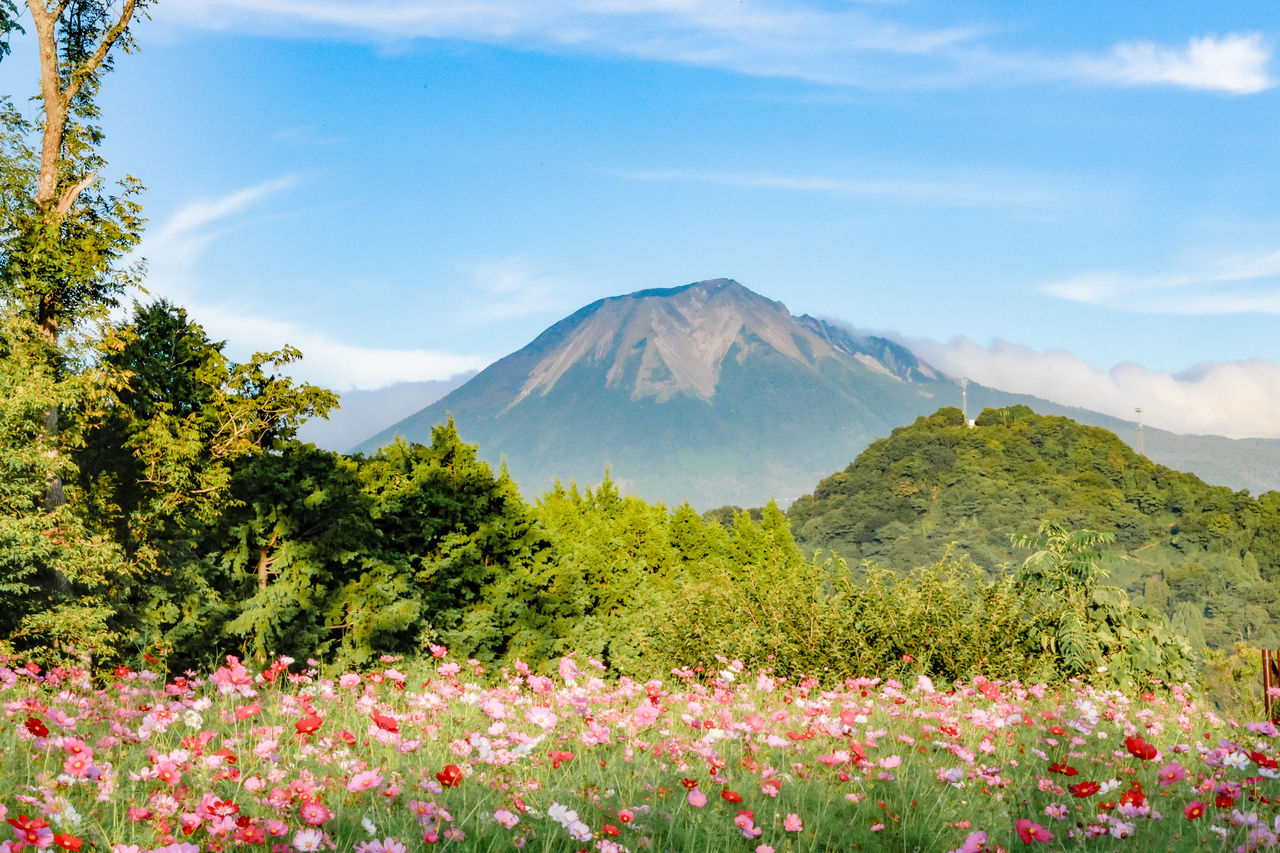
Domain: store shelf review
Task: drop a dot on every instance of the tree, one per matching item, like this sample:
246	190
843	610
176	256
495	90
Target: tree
1094	628
177	456
65	234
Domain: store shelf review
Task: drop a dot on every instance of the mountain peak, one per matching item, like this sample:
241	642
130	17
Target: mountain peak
662	342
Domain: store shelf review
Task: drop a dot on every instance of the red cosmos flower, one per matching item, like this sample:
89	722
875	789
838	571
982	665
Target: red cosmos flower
347	737
387	724
1134	796
689	783
1194	810
36	727
450	776
557	758
244	712
35	832
308	725
67	841
1224	801
1085	789
1063	768
1057	731
223	808
1263	761
1139	748
730	796
609	830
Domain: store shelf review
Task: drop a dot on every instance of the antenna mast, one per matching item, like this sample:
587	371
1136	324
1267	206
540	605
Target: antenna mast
964	398
1141	447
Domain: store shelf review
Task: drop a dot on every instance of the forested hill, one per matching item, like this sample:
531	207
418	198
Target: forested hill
1207	556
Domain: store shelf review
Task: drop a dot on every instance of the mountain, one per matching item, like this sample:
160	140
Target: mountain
713	394
1207	557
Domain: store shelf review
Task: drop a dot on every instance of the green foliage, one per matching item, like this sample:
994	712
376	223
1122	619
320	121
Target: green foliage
55	570
937	484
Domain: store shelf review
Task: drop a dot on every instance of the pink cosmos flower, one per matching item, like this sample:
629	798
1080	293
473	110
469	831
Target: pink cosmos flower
1170	773
77	766
314	813
645	715
1057	811
764	848
1029	831
697	799
506	818
792	823
168	772
349	679
974	843
364	781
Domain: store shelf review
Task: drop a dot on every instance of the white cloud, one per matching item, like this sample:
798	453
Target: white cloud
1238	399
1237	284
948	192
843	44
172	253
1235	63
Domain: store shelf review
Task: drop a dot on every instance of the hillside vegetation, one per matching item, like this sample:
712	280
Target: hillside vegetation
1207	557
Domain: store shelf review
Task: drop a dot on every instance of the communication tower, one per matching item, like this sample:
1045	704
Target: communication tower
1141	447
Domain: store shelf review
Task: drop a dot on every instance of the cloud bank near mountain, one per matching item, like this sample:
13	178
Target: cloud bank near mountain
1236	399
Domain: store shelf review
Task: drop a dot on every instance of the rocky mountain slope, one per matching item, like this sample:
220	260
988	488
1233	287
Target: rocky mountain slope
714	394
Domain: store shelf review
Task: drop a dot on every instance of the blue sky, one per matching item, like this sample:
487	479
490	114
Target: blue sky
1076	200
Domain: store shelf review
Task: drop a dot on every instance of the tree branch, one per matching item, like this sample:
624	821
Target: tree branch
90	65
72	193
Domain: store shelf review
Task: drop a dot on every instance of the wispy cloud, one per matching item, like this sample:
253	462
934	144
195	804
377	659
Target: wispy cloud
173	252
1235	63
515	287
952	193
1238	399
849	44
1238	284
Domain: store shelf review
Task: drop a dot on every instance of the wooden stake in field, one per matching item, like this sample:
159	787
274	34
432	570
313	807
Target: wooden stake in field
1270	679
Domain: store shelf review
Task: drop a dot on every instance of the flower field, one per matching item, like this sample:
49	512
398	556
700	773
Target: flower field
446	755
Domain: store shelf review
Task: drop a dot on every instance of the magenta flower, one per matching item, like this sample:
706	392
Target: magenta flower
1170	773
1029	831
697	799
